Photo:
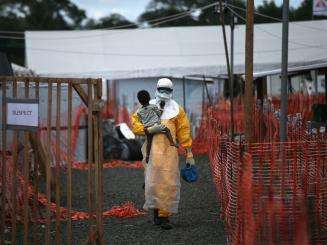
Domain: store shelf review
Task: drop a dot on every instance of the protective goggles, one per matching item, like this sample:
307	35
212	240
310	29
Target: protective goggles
165	90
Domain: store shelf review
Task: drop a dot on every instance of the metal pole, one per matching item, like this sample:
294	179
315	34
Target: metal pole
283	107
203	95
222	20
184	99
207	90
316	81
248	100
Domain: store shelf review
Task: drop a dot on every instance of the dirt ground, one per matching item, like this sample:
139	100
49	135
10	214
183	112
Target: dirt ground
196	223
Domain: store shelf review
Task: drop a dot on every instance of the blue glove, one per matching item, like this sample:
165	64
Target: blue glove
189	173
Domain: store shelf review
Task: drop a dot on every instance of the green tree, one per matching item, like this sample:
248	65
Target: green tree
162	8
304	12
208	16
20	15
268	8
113	20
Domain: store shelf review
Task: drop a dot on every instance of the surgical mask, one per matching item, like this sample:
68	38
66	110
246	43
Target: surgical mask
163	94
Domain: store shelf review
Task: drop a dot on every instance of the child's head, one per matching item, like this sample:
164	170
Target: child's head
144	97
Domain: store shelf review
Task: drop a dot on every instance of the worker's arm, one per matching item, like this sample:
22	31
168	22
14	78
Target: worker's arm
183	129
137	126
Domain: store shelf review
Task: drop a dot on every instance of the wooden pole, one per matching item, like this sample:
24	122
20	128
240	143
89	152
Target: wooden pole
14	178
326	85
231	76
58	163
4	161
90	159
26	175
95	125
69	166
100	169
36	178
48	166
248	100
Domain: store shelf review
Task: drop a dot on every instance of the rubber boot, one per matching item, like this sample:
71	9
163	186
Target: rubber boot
156	219
165	225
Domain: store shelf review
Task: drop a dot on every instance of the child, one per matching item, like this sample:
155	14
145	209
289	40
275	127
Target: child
149	116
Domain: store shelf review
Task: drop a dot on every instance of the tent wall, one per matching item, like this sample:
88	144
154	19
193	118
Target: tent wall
306	82
176	51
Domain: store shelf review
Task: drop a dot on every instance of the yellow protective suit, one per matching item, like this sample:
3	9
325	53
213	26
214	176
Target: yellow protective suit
162	174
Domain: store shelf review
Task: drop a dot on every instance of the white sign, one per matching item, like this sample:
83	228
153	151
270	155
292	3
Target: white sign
319	7
22	113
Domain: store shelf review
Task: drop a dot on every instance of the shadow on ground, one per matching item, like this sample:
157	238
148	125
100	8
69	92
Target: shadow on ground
196	223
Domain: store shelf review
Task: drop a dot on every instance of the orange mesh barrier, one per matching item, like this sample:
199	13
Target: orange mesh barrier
265	114
112	164
122	211
270	192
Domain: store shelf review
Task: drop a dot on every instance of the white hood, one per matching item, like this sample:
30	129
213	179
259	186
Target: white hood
171	109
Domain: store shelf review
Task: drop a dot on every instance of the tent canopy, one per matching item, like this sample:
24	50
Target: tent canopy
169	51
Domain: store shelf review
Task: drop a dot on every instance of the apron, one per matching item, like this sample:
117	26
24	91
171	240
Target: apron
162	175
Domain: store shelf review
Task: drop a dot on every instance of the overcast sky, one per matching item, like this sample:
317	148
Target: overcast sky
131	9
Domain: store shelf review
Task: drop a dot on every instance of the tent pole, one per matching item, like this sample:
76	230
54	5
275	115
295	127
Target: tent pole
184	99
207	90
248	100
316	81
203	95
222	21
283	108
107	88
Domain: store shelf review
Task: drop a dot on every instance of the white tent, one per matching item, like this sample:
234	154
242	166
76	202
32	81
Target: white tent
174	51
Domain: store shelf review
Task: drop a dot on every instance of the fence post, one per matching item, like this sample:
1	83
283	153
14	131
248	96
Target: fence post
90	157
26	174
36	236
14	177
4	167
97	142
69	166
48	166
58	162
248	102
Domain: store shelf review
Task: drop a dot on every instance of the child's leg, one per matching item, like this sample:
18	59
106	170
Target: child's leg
149	138
166	131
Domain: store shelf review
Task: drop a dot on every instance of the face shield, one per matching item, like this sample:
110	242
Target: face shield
164	93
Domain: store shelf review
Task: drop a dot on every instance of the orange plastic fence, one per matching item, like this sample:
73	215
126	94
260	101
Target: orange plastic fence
265	114
122	211
270	192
